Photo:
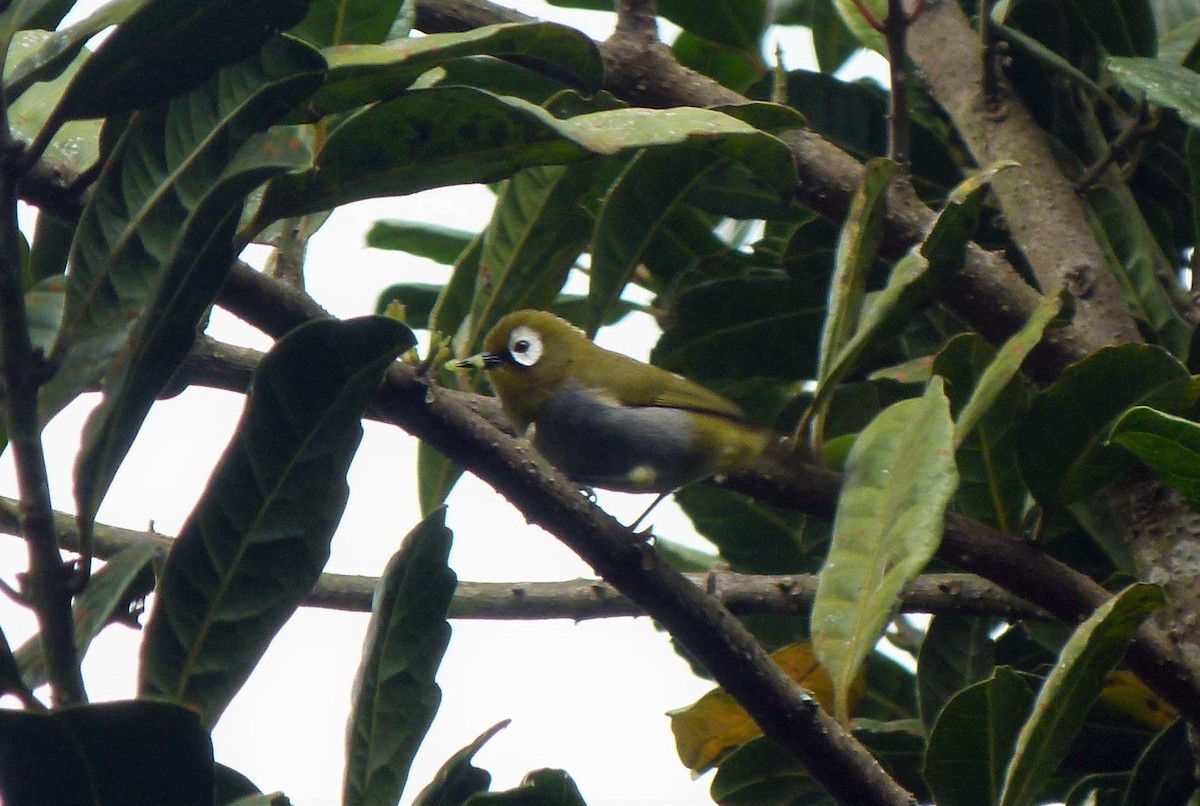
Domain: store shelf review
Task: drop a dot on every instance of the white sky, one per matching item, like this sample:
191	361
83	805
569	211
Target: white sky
588	697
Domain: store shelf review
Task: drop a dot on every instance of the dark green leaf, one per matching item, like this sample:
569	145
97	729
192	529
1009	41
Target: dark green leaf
1163	83
1165	774
342	22
1071	687
21	15
180	250
418	300
652	185
752	537
362	74
1121	27
256	542
124	578
457	135
900	476
75	146
436	477
732	329
958	651
11	681
395	696
458	779
729	66
912	282
760	773
1061	441
973	739
51	245
1170	445
990	485
167	47
538	788
439	244
131	753
537	231
1139	265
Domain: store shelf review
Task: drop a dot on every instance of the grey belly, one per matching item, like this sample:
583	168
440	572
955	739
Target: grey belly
599	444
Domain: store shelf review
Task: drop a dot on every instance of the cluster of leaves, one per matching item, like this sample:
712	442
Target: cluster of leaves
199	127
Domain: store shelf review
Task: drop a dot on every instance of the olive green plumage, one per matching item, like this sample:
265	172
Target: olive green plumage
608	420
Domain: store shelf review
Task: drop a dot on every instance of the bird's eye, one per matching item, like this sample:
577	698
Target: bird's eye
525	346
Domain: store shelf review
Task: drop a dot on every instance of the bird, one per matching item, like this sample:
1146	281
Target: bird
605	419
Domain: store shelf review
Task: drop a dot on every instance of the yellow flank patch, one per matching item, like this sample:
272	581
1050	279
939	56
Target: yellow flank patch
642	476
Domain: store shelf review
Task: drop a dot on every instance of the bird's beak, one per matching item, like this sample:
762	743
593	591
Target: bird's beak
477	361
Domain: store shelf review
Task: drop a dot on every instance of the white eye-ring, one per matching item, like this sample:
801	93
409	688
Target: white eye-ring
525	345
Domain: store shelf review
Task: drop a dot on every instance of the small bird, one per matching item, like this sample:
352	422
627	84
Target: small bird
605	419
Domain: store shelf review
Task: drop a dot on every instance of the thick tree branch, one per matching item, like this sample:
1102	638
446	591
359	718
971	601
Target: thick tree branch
987	293
1043	212
783	710
1017	566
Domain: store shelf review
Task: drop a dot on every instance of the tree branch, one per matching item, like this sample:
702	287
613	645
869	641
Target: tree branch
1041	208
23	371
584	599
1010	562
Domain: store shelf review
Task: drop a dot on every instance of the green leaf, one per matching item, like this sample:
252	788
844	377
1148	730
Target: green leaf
76	145
730	329
860	27
363	74
730	67
1164	84
395	696
125	577
50	248
900	476
418	300
184	250
1005	366
1169	445
11	681
912	282
1060	444
1072	686
255	544
457	779
439	244
761	772
538	788
958	651
856	251
990	484
857	247
436	477
537	231
457	135
973	739
642	199
341	22
167	47
752	537
1138	264
1165	774
116	752
24	14
1121	27
450	312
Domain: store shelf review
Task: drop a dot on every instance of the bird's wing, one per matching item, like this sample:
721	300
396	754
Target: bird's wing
680	393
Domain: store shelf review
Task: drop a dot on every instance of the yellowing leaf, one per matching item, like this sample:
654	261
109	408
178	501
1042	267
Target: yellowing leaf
1125	693
715	723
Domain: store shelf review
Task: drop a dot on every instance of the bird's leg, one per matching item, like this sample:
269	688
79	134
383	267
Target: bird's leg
658	500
